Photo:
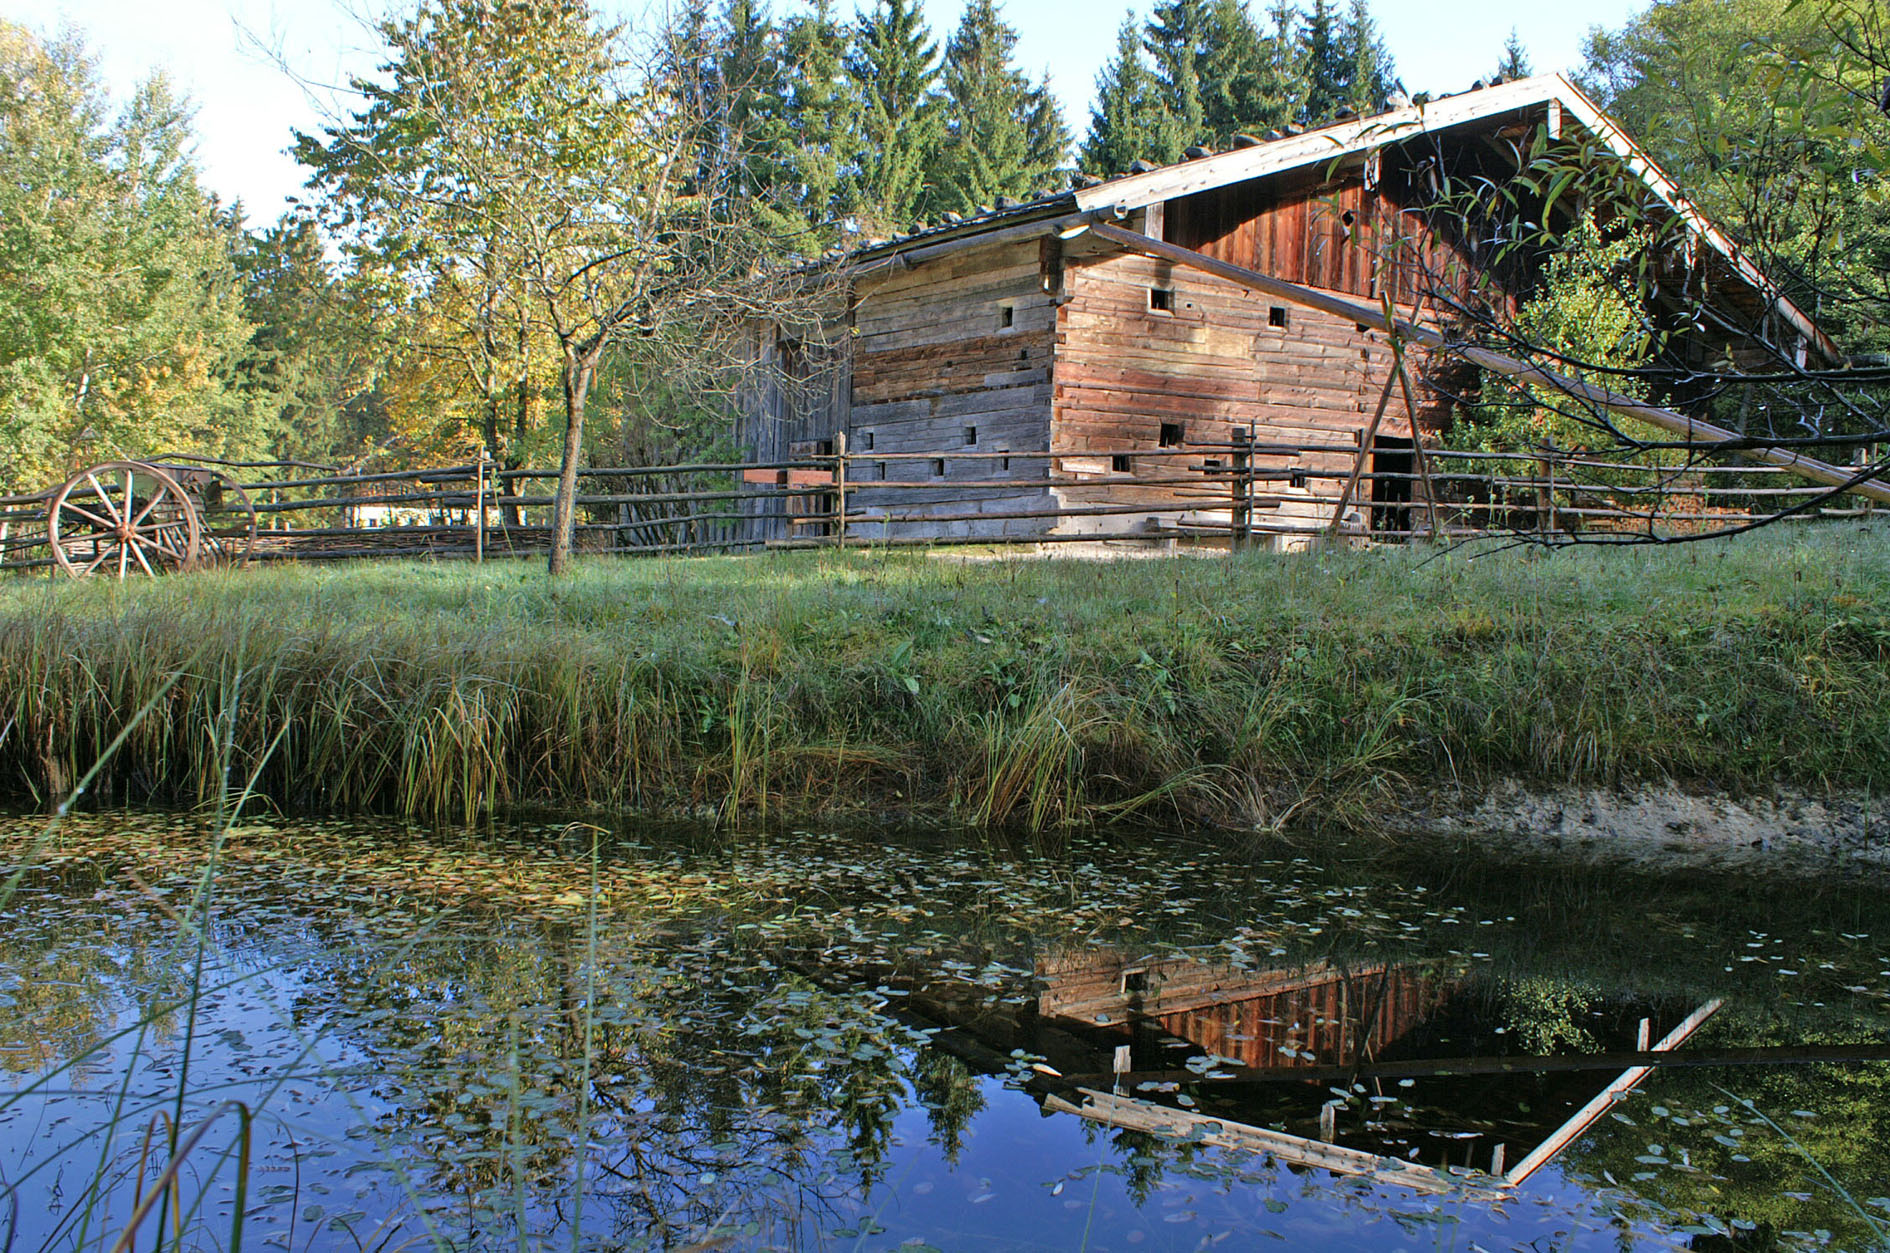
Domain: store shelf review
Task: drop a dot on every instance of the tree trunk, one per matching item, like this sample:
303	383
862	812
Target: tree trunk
577	385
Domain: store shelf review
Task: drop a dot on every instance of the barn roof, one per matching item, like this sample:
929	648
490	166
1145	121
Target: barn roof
1552	94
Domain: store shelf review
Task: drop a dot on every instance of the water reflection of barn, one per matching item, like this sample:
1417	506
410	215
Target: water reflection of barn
1253	1059
1259	1018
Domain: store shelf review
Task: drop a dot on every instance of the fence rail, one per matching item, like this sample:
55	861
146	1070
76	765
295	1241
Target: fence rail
1242	492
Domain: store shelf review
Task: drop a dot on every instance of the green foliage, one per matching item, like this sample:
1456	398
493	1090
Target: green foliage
1211	72
1125	123
894	66
822	110
1544	1015
1515	62
1003	136
1370	76
1765	111
310	368
120	309
1586	318
1325	63
1178	37
511	168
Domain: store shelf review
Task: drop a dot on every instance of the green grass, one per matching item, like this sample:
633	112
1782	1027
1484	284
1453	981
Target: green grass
1247	691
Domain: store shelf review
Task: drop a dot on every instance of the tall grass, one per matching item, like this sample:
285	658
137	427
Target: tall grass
1248	690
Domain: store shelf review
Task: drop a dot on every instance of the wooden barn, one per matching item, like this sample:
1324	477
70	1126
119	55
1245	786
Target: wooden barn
1070	365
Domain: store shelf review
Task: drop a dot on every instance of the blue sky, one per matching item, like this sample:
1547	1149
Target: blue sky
225	54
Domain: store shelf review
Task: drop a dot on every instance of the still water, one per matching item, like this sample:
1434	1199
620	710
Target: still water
658	1037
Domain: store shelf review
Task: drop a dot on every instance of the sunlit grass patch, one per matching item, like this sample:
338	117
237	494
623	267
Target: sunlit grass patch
1319	687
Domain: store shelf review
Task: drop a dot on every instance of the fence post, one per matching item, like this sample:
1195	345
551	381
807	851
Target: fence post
479	508
1545	490
1242	487
840	486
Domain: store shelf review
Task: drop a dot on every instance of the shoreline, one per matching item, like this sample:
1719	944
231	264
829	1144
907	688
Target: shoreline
1666	827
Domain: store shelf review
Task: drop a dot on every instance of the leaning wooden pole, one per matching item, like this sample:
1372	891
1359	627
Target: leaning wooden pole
1360	313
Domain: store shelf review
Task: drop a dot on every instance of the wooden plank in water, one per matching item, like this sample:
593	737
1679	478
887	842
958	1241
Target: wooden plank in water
1624	1083
1132	1114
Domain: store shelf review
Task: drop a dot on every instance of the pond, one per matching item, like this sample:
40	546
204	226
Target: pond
361	1036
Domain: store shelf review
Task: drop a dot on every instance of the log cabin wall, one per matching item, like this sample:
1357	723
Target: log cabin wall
791	403
955	356
1153	355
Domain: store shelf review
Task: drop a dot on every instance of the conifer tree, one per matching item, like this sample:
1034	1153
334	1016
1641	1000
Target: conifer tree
1234	66
747	103
1176	37
893	64
1369	72
822	115
1125	123
1282	75
690	62
1515	62
1002	135
1324	63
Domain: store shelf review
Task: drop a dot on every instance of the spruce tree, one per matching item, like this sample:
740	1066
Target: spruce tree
1002	135
1369	70
823	122
1125	123
690	63
1282	86
1515	63
1324	63
893	65
1233	75
746	102
1177	37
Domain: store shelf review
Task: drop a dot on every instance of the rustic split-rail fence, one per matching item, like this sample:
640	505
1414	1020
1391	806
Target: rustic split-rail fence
137	517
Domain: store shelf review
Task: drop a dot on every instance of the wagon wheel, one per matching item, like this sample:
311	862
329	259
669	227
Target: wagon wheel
226	520
119	518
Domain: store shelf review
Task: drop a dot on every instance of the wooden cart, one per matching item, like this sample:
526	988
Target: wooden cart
120	518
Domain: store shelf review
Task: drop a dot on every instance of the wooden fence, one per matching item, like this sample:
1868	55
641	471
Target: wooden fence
1235	494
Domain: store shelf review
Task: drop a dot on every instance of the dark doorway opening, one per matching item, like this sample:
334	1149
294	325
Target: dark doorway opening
1392	456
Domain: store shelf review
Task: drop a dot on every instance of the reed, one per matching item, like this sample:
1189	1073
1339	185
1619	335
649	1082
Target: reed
1249	691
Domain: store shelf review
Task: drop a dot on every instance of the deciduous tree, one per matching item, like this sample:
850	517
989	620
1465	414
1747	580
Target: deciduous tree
119	307
520	130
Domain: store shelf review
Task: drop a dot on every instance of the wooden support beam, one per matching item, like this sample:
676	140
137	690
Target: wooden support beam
1364	451
1363	314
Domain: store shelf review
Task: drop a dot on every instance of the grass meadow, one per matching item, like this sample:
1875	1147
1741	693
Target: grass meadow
1253	691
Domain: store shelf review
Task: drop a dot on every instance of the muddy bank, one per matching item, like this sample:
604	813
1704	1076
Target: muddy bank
1665	825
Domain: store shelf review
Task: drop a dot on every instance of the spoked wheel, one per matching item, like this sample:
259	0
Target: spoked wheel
226	519
120	518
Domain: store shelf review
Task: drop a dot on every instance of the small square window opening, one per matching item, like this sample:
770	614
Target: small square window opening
938	467
879	471
1276	316
1007	317
1120	464
866	441
971	435
1161	299
1171	435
